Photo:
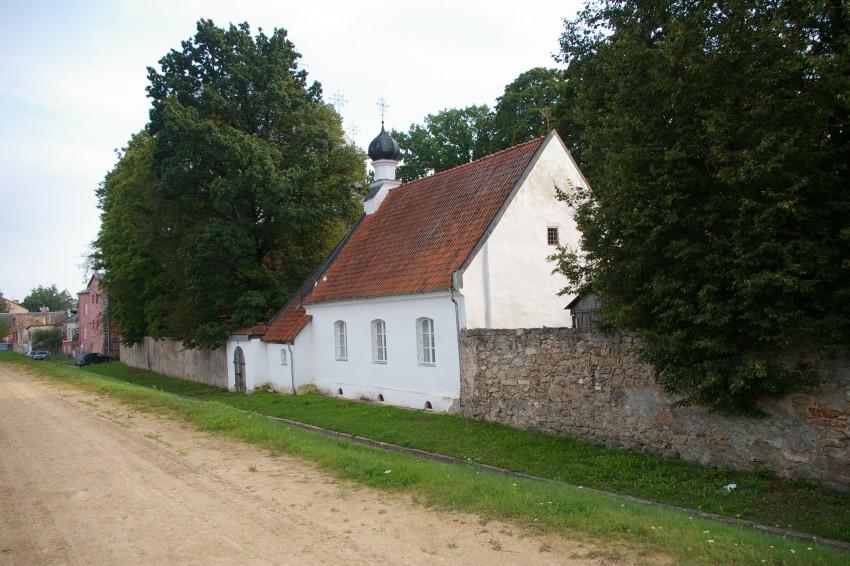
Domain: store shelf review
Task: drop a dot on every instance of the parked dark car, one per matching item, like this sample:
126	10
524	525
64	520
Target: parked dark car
89	359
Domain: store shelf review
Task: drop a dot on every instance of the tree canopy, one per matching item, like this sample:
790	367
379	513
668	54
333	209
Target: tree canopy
715	138
447	139
49	339
49	297
531	105
237	189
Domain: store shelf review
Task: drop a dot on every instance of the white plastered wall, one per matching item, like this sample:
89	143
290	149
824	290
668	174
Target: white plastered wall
402	380
254	351
264	365
296	369
509	283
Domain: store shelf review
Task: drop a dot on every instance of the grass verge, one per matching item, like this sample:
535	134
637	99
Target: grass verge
759	496
550	507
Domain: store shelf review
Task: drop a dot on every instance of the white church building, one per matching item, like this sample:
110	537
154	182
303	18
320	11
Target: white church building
466	248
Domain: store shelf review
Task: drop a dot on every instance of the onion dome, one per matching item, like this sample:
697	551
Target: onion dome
384	147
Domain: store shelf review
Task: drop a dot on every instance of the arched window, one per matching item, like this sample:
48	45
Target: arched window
341	340
379	341
425	341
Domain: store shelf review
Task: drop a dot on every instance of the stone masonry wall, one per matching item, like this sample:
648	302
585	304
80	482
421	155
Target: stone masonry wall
170	358
591	385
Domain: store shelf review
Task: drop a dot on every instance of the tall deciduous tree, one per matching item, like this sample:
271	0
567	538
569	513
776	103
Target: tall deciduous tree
447	139
49	339
50	297
5	329
244	183
531	105
137	235
715	136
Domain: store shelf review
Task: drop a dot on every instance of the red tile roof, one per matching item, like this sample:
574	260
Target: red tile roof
424	230
257	329
288	322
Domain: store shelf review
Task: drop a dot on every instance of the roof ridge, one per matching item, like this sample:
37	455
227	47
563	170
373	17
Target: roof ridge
476	161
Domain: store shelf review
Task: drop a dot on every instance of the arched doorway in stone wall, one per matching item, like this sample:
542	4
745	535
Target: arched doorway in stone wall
239	370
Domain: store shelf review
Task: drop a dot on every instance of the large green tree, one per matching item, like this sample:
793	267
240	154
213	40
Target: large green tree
240	186
715	137
50	297
138	232
49	339
5	329
531	105
447	139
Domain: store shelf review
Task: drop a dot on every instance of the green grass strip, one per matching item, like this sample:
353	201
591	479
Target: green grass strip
760	496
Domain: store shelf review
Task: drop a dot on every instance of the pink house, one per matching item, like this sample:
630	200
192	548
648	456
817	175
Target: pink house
97	332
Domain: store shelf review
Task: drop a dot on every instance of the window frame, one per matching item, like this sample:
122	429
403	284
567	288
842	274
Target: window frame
379	341
426	347
550	232
284	358
341	341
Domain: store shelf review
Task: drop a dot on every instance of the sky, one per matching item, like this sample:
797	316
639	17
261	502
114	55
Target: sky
73	77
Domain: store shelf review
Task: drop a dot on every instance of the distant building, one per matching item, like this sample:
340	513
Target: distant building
71	335
25	324
97	331
14	307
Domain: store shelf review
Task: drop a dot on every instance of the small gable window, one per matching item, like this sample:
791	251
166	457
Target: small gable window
379	341
552	236
341	340
425	341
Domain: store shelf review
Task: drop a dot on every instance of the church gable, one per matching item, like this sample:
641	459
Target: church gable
424	230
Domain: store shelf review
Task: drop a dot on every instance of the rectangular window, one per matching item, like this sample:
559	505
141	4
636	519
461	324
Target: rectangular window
86	309
85	332
552	236
283	356
379	342
425	335
341	340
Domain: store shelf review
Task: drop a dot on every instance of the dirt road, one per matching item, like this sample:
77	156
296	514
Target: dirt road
83	480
